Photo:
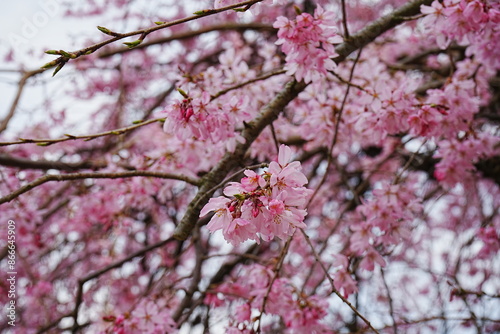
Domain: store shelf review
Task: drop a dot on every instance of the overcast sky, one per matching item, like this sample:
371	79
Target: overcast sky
38	24
27	26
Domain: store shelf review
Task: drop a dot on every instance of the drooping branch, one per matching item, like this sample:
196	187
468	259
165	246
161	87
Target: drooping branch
16	162
116	132
80	176
334	289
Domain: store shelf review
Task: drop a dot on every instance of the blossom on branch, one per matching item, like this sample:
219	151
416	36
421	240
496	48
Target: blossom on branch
262	206
308	44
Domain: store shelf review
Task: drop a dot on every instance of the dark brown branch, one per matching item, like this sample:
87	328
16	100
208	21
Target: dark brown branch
195	279
10	161
378	27
344	19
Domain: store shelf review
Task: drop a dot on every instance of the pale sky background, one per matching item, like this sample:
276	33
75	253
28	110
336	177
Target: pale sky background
27	26
50	30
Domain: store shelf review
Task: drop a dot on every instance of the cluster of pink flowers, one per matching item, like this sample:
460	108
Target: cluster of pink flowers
475	22
308	43
198	118
148	317
388	104
384	223
190	117
262	206
458	157
298	311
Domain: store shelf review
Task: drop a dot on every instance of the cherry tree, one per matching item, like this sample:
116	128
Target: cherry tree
284	166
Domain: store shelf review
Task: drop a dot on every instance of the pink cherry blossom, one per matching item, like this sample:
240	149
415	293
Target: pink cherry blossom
267	205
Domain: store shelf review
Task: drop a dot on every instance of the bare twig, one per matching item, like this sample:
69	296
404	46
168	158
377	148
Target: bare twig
336	130
344	19
277	269
391	303
243	84
67	56
230	26
16	162
22	83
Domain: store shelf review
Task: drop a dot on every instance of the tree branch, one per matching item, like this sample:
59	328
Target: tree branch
378	27
231	26
11	161
79	176
67	56
116	132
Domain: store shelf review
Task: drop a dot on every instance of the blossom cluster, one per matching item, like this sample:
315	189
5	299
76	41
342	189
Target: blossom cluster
299	311
475	22
383	223
194	117
148	317
262	206
308	42
458	157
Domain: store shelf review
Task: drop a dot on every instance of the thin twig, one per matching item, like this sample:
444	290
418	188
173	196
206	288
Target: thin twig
67	56
96	274
336	131
17	162
344	20
391	303
243	84
334	290
229	26
22	83
47	142
277	269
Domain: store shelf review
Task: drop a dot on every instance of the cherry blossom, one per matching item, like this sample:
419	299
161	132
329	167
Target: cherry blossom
281	166
269	204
